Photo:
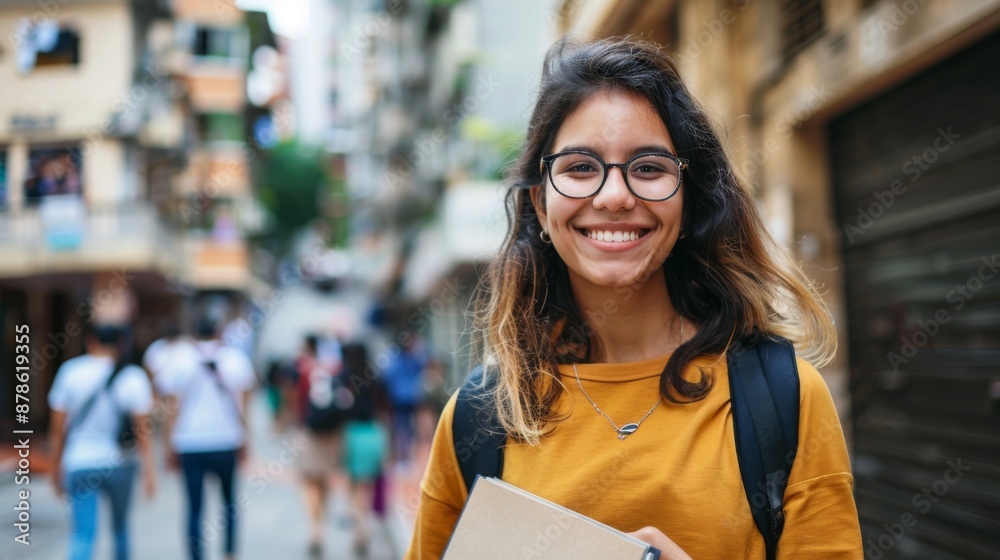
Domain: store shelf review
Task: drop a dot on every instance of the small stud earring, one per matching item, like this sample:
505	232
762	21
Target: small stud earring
545	237
682	235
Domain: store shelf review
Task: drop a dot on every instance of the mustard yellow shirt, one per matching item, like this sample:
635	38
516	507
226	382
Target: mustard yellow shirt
678	472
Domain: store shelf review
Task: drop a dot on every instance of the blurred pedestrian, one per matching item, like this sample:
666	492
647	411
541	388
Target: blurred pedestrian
208	391
93	399
281	381
366	443
162	351
403	381
237	331
434	397
323	405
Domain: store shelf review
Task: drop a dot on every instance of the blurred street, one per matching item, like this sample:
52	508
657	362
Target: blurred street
272	526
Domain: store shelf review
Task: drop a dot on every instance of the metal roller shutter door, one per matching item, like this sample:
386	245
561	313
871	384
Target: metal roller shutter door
923	297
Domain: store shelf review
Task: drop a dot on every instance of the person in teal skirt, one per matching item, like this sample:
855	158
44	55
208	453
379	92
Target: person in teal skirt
366	443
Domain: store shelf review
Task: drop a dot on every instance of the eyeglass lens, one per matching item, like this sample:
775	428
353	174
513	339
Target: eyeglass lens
581	175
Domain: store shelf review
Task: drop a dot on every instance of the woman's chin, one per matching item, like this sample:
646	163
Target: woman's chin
618	278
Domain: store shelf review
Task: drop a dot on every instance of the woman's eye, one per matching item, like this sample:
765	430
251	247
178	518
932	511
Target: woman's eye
647	169
582	167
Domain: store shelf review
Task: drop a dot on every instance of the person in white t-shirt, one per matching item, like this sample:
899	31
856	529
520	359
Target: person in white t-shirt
86	423
207	386
163	350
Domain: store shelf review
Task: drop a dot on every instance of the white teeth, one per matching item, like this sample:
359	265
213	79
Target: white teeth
615	236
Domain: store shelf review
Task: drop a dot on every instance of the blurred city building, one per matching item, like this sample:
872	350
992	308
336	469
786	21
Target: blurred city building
125	140
414	103
869	132
419	102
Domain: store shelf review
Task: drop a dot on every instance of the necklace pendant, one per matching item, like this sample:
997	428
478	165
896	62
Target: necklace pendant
627	430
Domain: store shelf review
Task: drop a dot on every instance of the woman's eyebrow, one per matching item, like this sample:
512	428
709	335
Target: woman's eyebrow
634	151
649	149
587	149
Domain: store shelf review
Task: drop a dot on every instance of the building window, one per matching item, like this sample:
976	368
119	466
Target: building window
3	178
801	24
219	42
45	43
220	127
53	171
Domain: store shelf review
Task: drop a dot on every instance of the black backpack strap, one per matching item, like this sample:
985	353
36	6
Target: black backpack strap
80	416
476	431
764	384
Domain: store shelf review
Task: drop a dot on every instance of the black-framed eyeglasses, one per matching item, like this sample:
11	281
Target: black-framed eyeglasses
653	177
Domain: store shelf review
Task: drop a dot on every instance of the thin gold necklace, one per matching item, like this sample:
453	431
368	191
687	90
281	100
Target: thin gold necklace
631	427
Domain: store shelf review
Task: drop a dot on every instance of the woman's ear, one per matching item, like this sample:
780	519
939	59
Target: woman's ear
538	201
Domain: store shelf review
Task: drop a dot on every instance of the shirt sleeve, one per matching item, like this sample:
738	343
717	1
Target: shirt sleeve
151	357
240	370
821	518
442	494
133	391
176	371
58	394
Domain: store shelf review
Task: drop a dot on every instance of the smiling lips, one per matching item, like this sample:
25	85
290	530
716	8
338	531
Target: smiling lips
614	236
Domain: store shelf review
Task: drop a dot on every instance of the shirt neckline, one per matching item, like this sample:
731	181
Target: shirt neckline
617	373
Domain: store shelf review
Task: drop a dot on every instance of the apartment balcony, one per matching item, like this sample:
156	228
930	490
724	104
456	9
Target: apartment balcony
213	264
214	85
210	59
217	171
212	13
64	234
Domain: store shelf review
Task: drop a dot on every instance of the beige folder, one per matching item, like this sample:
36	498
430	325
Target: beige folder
502	522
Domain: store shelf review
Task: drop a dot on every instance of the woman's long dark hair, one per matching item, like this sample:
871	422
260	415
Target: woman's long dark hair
727	274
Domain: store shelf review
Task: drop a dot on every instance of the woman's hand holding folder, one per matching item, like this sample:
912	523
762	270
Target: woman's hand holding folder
655	537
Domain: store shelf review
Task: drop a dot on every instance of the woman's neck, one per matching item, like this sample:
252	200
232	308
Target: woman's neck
632	323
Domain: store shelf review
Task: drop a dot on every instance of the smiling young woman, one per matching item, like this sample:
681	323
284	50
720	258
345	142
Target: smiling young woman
634	260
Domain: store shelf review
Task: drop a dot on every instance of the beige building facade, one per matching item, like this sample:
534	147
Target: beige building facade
124	178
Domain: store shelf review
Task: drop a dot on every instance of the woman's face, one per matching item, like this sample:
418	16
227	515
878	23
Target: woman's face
616	126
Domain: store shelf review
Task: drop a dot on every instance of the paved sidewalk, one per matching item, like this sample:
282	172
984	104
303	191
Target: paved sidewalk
273	525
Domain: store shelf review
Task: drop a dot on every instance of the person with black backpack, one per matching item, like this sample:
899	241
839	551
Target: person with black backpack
99	428
636	332
323	405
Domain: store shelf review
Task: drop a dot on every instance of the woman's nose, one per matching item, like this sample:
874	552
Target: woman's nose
615	195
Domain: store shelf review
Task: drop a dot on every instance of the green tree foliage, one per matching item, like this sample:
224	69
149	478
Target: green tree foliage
292	180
